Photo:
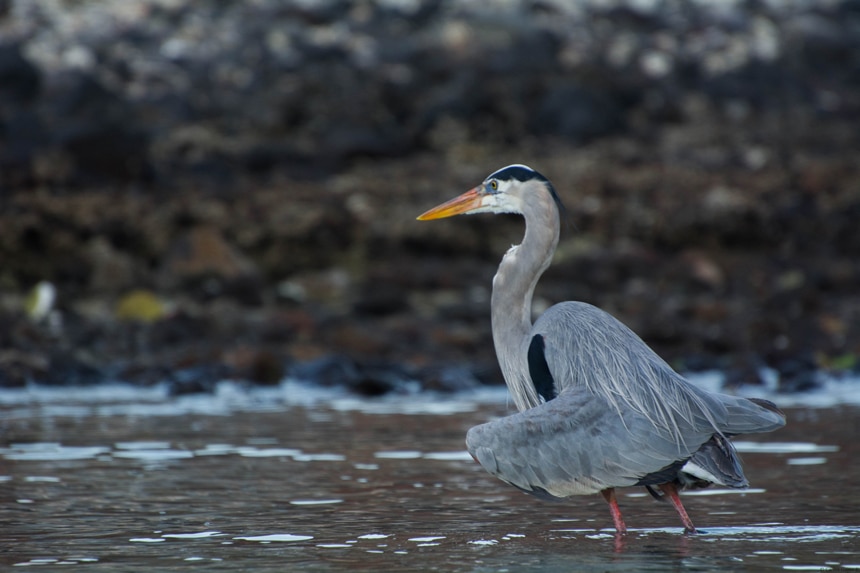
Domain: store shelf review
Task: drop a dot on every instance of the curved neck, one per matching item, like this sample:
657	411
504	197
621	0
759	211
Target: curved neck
513	289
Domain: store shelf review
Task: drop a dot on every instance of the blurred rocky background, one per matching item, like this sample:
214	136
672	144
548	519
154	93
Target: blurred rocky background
193	190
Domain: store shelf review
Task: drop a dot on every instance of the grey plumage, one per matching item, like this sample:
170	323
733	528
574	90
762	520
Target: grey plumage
598	409
621	414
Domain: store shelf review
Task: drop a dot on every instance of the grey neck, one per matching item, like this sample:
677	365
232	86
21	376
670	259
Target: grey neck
513	289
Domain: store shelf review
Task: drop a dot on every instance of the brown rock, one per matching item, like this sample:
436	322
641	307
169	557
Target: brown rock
203	251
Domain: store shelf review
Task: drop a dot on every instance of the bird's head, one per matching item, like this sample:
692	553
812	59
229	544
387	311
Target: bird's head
505	191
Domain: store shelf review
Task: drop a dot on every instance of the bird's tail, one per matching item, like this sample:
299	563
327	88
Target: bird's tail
749	416
715	462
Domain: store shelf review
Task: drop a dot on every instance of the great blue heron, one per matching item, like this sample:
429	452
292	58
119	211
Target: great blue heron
598	409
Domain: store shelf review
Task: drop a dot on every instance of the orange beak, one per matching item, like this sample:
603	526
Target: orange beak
469	200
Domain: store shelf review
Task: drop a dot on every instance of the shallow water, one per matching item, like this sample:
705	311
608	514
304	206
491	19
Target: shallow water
253	481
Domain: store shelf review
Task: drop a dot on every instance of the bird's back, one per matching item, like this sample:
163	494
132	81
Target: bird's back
588	348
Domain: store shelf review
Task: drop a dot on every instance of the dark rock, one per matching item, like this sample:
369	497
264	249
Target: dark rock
327	371
745	371
205	262
20	80
201	379
380	299
258	366
22	134
798	374
364	378
448	378
68	370
379	378
578	113
179	328
18	367
95	128
698	362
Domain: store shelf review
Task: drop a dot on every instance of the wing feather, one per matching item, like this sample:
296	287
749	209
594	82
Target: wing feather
575	444
585	347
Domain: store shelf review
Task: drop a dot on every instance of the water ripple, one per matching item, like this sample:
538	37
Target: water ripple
277	537
745	446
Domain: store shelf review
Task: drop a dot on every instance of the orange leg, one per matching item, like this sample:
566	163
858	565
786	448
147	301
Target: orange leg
609	496
672	492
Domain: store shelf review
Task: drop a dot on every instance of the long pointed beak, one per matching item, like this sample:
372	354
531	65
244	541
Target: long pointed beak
464	203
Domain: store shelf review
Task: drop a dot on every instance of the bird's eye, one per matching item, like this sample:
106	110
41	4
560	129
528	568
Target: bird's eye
494	185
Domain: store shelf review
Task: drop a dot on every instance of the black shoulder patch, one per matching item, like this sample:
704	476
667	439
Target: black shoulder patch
539	369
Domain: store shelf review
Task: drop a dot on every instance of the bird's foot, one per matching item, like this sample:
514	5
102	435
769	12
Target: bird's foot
609	496
671	491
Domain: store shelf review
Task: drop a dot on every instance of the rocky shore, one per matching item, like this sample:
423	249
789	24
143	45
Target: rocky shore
212	190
